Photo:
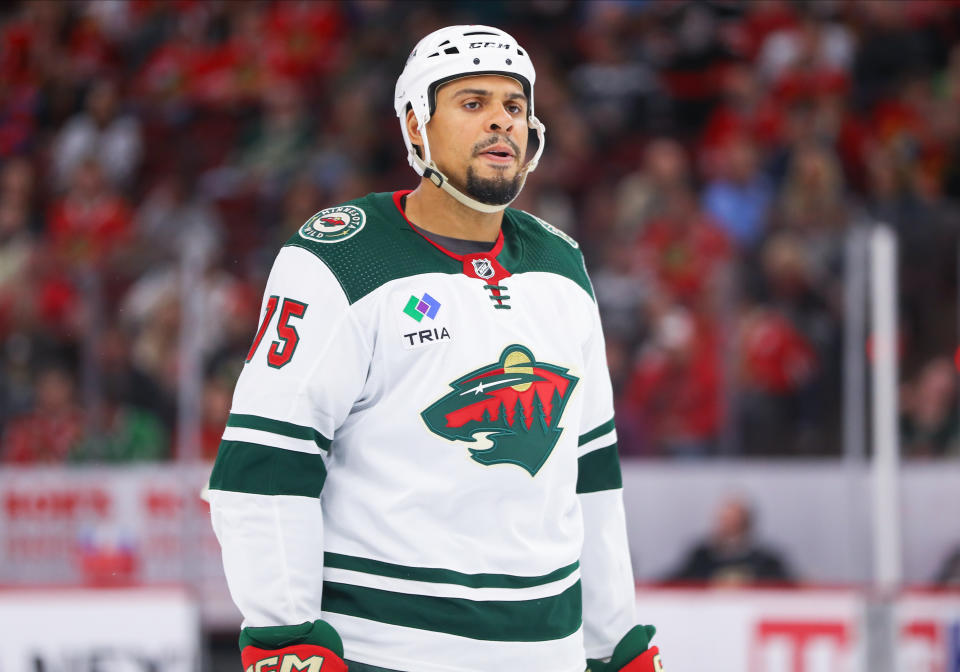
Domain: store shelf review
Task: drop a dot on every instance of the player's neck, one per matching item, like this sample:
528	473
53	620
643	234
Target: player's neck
436	211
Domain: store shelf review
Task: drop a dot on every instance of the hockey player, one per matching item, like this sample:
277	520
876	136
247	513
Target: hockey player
420	471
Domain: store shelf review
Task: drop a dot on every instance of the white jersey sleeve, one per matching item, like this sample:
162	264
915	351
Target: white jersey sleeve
607	576
304	372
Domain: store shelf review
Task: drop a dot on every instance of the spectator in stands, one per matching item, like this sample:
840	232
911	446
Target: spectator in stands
17	248
740	196
622	291
888	51
91	223
173	215
641	194
674	390
950	96
152	307
101	132
778	401
18	188
730	555
811	199
125	433
683	248
807	54
273	151
611	83
949	573
747	110
302	200
123	381
217	397
928	416
53	428
152	316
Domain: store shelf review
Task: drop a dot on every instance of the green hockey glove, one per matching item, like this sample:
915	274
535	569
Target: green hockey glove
308	647
633	654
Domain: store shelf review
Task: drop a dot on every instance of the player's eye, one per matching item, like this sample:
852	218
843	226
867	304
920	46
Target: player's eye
515	109
472	105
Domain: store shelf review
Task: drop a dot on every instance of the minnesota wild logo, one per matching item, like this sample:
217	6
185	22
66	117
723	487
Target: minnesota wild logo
334	225
516	404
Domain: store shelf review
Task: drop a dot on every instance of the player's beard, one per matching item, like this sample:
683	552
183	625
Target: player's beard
498	190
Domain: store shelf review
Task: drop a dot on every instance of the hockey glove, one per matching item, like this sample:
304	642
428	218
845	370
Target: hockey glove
633	654
313	647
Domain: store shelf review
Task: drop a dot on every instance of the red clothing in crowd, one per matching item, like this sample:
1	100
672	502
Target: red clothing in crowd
89	230
304	40
777	358
42	438
678	398
683	255
764	124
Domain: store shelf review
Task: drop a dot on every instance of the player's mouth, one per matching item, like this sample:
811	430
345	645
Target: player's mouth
499	154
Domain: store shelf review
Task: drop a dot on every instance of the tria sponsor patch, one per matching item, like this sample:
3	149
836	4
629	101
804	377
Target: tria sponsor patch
420	320
419	308
516	404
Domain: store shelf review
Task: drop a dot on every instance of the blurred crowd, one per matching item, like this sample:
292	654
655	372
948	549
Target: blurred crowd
712	158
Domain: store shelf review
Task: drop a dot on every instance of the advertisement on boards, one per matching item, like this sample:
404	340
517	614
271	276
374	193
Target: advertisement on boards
102	630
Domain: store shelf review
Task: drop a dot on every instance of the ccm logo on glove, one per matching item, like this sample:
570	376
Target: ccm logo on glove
306	659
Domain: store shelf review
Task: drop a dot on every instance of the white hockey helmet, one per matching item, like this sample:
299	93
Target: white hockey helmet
448	54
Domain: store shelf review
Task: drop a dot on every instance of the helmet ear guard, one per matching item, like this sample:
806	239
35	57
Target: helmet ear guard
452	53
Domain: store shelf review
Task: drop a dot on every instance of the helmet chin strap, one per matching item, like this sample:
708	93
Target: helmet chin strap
429	170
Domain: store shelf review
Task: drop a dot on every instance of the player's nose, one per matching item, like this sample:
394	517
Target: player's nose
500	119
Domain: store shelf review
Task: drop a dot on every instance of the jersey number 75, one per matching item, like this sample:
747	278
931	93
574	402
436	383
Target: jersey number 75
280	352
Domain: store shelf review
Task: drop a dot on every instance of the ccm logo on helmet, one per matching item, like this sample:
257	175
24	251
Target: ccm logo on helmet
484	45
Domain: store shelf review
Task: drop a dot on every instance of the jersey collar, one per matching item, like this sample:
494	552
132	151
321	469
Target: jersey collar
497	246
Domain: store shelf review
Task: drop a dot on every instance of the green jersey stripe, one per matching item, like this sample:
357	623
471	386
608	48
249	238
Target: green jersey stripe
433	575
599	470
596	432
278	427
266	470
539	620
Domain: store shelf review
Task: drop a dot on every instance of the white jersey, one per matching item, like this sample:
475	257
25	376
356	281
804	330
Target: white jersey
421	450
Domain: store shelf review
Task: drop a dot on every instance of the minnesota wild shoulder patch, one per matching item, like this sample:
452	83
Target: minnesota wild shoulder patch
334	225
515	403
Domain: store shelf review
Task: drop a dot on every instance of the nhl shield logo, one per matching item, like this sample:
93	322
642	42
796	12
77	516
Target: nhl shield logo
334	225
483	268
515	404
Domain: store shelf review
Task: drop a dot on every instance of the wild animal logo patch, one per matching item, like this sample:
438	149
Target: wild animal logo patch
334	225
515	403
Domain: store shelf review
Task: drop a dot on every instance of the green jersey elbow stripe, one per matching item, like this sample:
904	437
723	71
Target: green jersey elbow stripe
599	470
433	575
265	470
278	427
596	432
539	620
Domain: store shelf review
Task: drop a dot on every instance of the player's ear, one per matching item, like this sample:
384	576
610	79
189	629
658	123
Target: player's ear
413	131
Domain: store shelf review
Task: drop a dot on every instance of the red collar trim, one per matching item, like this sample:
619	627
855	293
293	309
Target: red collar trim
497	246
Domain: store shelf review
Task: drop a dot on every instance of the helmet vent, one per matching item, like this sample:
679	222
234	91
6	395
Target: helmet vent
451	50
443	43
480	32
436	53
520	52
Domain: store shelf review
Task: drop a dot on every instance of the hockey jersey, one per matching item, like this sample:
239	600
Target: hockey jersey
421	450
